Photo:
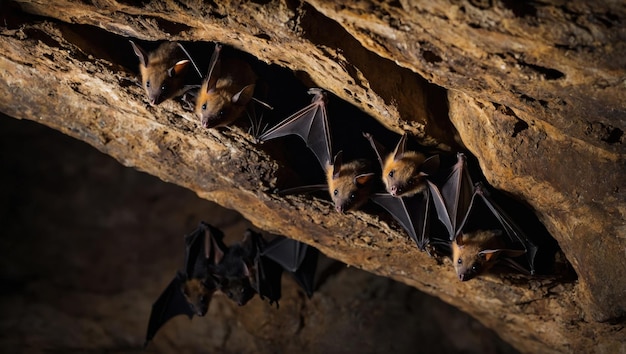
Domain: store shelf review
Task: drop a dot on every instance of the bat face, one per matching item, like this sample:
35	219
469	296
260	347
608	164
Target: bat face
474	253
162	71
198	294
238	289
219	107
350	187
401	174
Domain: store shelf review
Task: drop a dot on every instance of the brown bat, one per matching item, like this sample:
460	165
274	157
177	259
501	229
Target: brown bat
225	91
162	71
349	184
477	252
401	171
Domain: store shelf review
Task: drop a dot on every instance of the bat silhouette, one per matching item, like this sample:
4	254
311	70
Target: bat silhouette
239	271
349	184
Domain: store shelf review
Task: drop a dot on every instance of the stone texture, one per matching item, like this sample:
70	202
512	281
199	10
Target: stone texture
535	91
88	245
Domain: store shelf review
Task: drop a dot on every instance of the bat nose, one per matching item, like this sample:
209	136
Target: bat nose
462	277
339	209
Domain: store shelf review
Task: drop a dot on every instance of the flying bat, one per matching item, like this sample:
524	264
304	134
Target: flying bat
349	184
163	71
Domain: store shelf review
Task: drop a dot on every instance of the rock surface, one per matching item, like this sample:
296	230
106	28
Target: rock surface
88	245
535	91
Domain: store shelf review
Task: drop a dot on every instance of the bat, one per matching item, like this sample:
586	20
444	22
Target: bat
225	91
477	252
297	258
190	292
464	202
404	171
163	71
411	209
349	184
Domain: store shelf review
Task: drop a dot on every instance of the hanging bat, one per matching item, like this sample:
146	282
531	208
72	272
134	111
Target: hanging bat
404	171
225	91
410	208
474	252
349	184
190	292
297	258
162	71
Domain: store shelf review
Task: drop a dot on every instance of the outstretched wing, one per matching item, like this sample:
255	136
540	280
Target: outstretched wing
170	303
310	124
456	193
295	257
410	212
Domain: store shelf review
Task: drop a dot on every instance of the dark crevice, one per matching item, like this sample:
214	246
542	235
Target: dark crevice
547	73
169	27
431	57
521	8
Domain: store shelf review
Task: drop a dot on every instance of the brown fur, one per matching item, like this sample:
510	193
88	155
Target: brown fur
350	186
475	253
162	71
223	103
197	295
401	174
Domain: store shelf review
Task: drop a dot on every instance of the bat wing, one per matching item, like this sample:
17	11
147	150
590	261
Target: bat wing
295	257
457	192
170	303
310	124
203	246
410	212
516	237
378	149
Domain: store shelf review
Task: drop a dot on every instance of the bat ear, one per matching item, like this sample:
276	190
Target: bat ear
459	239
489	254
141	54
400	148
246	270
362	179
431	165
178	68
337	162
244	96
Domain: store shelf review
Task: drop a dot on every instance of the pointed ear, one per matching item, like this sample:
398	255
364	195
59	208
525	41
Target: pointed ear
244	96
459	239
337	162
246	271
399	151
489	254
362	179
178	68
141	54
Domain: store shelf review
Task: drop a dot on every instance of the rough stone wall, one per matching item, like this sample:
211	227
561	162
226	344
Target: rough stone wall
535	91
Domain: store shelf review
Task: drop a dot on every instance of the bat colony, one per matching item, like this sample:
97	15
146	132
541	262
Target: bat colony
439	206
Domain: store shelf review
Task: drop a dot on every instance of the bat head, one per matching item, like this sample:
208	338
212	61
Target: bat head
349	184
218	107
237	289
198	294
159	80
402	176
475	253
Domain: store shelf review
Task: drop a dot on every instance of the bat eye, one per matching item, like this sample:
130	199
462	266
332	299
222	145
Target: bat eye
336	192
391	174
460	261
148	83
474	268
163	88
352	196
410	182
204	107
204	299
